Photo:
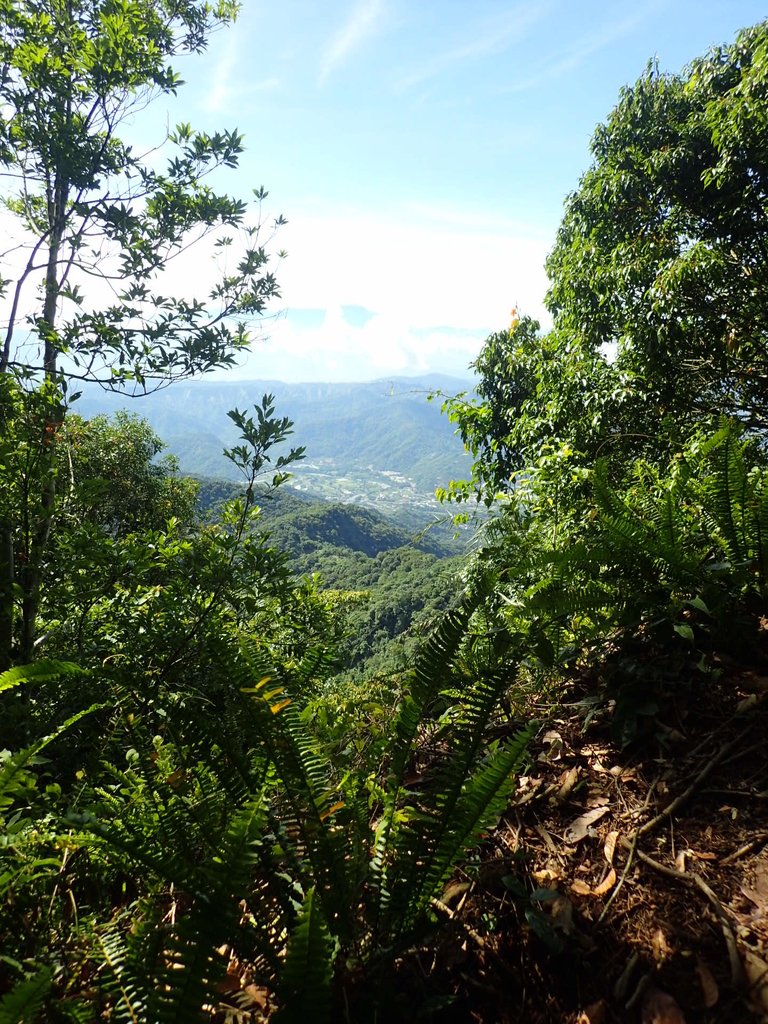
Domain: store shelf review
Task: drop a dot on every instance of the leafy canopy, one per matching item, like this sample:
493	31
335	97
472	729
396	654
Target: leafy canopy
87	207
661	253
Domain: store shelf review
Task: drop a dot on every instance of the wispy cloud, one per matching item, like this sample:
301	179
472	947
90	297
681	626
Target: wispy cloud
362	22
229	87
575	56
489	36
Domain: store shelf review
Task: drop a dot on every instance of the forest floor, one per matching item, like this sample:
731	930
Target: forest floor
628	882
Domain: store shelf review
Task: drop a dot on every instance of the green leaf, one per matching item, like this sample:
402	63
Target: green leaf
308	969
42	671
23	1003
685	631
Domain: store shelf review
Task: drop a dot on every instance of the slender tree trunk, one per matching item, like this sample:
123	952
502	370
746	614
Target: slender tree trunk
6	594
31	577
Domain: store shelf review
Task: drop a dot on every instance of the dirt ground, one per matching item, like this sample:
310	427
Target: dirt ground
628	884
628	881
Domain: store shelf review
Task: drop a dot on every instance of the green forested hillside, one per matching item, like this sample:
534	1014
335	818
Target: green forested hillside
381	444
396	581
285	762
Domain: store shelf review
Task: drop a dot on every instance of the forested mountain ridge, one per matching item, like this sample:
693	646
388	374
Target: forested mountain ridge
399	579
381	444
298	523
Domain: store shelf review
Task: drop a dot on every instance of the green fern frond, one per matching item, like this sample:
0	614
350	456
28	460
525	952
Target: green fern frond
123	983
305	986
171	977
430	675
726	492
554	600
25	1000
12	767
460	794
305	775
482	798
42	671
761	529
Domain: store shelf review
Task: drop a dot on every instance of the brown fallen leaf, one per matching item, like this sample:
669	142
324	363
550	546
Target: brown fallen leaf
606	885
708	984
579	828
595	1013
562	914
567	784
581	888
609	847
527	788
660	1008
546	876
756	970
761	879
555	751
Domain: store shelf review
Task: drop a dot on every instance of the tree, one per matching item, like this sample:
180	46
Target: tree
662	250
658	278
535	391
88	209
113	478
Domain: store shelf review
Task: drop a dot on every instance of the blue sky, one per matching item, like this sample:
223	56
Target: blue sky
421	151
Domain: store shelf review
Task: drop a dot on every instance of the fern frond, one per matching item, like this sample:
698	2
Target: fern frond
123	982
15	764
25	1000
430	675
305	775
41	671
305	986
481	800
726	492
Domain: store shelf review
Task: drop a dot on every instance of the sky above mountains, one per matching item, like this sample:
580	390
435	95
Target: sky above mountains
421	151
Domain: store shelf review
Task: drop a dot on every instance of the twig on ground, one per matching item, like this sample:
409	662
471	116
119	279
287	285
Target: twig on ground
737	971
689	790
446	911
746	848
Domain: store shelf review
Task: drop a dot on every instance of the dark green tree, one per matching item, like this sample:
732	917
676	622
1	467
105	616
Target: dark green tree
112	477
88	208
661	255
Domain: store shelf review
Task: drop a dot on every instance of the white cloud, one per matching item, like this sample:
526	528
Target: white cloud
575	56
362	22
425	274
335	351
489	36
435	293
230	81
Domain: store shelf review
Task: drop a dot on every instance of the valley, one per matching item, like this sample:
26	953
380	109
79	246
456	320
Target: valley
382	445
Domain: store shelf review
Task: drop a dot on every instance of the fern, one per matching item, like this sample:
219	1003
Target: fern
727	492
305	774
418	843
42	671
305	984
14	766
25	1000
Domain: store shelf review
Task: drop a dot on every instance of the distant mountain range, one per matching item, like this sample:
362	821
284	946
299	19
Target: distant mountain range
381	444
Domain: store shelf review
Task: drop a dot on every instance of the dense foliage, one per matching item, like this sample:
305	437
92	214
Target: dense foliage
200	817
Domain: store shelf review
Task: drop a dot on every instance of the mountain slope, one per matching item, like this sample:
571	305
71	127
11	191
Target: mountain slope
380	443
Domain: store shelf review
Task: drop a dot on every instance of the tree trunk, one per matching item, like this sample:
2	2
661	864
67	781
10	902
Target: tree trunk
6	594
